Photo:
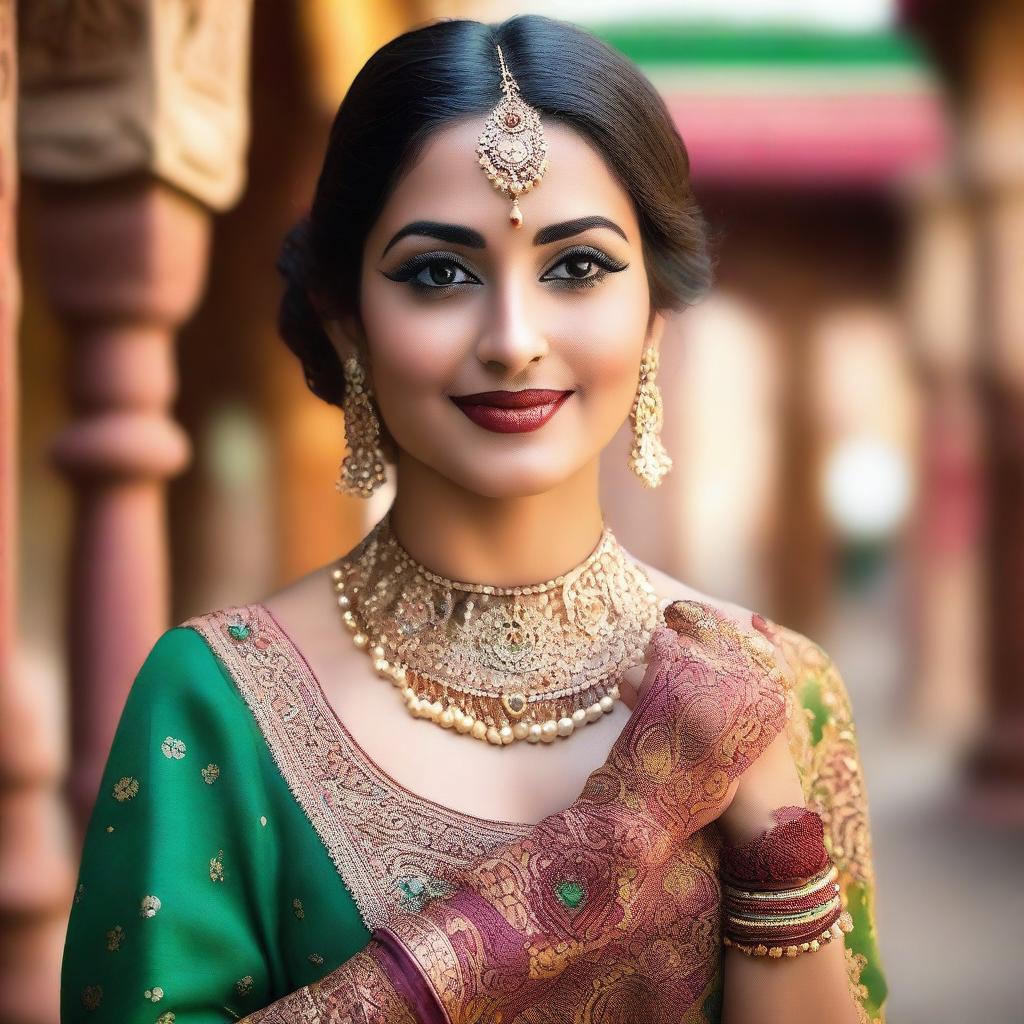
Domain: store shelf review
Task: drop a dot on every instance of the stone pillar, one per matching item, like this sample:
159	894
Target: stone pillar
123	269
133	125
947	691
995	156
10	311
35	869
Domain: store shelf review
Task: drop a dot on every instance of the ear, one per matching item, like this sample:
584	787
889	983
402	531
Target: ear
655	328
343	332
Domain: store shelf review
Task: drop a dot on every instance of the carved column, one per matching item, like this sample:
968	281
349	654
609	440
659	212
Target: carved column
995	128
35	870
941	300
123	269
133	124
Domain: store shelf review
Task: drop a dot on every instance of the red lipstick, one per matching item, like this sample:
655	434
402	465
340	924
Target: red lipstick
511	412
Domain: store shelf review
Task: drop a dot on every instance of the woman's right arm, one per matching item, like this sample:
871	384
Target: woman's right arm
172	918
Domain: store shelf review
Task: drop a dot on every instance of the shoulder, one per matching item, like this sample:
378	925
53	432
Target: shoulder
812	674
189	665
179	655
668	588
306	607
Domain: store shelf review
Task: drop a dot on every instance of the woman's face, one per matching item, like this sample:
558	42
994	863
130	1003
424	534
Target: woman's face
463	303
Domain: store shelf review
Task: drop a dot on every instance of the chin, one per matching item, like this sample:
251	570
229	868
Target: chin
510	478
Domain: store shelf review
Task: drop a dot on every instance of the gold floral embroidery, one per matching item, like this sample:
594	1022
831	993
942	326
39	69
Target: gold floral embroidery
855	963
315	958
173	748
244	985
154	995
110	828
211	773
114	938
92	996
217	867
165	1018
79	892
126	788
298	909
362	984
149	905
416	891
375	831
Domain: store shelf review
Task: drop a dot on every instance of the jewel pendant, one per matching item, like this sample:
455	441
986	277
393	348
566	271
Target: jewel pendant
514	704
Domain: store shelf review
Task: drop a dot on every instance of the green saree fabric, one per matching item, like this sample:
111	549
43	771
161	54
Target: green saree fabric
243	845
203	893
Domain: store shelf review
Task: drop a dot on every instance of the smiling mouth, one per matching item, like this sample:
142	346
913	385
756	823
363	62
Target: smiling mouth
511	412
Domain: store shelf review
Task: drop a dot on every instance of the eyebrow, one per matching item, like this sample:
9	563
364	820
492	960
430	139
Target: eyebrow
459	234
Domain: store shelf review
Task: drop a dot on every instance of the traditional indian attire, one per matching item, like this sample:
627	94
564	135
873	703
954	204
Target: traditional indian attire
243	845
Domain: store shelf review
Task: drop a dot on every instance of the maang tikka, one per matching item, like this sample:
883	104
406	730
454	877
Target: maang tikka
512	149
648	458
362	470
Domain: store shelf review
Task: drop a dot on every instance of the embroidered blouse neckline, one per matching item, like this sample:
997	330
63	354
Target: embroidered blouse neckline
385	778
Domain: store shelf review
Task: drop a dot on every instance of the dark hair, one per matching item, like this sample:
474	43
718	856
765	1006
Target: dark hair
442	72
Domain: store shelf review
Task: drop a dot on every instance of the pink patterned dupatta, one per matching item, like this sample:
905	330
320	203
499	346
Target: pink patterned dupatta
608	911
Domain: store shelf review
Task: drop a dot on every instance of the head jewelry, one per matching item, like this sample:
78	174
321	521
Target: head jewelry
512	149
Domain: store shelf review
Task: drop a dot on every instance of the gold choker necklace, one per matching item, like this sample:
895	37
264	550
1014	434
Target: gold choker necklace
498	663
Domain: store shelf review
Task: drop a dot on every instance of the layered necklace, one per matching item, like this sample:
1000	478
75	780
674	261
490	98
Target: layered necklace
498	664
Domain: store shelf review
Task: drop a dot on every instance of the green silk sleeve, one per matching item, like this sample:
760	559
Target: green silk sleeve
189	906
827	754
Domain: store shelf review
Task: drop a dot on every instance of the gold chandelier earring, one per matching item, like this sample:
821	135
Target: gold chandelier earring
362	470
648	458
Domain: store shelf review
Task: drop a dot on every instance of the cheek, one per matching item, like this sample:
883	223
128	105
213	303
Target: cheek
416	346
603	340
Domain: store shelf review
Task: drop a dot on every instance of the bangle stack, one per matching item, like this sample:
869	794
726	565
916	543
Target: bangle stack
780	896
785	921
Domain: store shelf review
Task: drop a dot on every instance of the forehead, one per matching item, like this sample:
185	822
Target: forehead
448	184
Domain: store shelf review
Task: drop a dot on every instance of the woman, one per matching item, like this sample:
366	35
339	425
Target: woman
501	227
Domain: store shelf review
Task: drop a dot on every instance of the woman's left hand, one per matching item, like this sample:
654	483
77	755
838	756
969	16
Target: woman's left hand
770	782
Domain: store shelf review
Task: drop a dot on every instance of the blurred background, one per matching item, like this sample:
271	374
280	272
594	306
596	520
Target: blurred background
845	412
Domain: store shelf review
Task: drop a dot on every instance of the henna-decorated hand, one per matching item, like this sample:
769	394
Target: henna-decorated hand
608	910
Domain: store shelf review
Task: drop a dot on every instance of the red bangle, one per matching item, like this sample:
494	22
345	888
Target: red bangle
779	891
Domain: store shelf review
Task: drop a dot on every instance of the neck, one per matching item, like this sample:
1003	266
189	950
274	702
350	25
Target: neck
502	541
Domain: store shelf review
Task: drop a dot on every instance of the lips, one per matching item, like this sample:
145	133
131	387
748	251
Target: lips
511	412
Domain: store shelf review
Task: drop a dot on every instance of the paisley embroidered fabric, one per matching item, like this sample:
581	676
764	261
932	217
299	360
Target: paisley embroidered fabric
587	918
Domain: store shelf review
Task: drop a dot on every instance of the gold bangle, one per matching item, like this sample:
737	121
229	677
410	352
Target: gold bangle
843	924
829	874
783	920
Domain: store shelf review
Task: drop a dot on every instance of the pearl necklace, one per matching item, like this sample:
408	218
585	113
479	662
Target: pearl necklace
498	664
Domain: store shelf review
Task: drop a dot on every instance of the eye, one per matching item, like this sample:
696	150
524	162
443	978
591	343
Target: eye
585	267
433	272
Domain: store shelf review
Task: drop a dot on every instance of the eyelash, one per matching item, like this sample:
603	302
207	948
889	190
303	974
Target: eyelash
407	272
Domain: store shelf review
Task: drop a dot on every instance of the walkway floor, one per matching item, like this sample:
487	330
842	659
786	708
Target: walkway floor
950	889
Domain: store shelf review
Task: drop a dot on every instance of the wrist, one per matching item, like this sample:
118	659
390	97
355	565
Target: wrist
780	896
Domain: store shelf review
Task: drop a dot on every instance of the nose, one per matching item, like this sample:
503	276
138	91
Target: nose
510	342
